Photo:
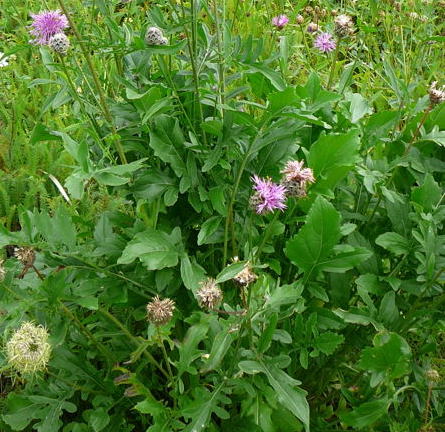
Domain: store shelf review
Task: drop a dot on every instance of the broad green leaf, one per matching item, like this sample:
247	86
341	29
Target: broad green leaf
393	242
317	238
230	271
328	342
192	273
427	195
208	229
220	346
345	261
366	414
267	334
155	249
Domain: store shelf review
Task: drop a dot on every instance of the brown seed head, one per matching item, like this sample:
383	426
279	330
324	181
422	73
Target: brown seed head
25	255
160	312
209	294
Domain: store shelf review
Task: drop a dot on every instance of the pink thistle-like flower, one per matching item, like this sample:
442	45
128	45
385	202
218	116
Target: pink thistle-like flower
294	171
46	24
268	196
325	43
280	21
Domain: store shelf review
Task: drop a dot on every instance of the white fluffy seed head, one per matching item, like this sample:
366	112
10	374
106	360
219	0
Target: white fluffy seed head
209	294
28	351
59	43
160	312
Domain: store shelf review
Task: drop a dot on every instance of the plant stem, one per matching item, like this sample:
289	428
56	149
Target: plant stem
334	63
95	77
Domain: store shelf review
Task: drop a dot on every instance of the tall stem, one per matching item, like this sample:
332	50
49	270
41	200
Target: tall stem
95	77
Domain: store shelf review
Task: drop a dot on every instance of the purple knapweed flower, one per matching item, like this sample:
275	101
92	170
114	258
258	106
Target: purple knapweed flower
280	21
268	196
325	43
46	24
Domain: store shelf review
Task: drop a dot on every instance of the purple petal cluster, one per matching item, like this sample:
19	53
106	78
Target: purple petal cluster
280	21
46	24
268	196
325	43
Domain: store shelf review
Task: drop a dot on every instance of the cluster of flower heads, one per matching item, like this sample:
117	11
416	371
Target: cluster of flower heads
155	36
269	196
28	350
48	29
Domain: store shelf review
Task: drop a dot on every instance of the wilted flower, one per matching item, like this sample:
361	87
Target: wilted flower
246	276
3	60
437	95
312	27
155	36
268	196
59	43
325	43
280	21
209	294
25	255
2	271
46	24
300	19
432	375
160	312
296	178
344	26
28	350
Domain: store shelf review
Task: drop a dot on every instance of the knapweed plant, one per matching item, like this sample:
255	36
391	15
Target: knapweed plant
222	216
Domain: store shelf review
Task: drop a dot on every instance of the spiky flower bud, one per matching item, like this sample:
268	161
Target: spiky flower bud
209	294
300	19
246	276
344	26
59	43
312	27
25	255
432	375
160	312
155	36
437	95
28	350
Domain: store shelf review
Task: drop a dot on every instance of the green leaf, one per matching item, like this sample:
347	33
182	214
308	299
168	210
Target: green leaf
293	398
332	156
230	271
427	195
208	228
266	336
155	249
192	273
390	355
366	414
317	238
98	419
328	342
220	346
393	242
345	261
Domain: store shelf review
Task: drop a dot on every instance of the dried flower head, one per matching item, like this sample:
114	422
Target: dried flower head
300	19
437	95
344	26
246	276
280	21
432	375
28	350
160	312
268	196
296	178
209	294
59	43
46	24
155	36
26	255
2	271
325	43
312	27
3	60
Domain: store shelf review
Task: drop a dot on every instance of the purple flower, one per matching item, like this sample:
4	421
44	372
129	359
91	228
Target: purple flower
268	196
46	24
325	43
280	21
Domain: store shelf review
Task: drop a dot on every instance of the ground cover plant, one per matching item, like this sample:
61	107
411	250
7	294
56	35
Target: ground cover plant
222	216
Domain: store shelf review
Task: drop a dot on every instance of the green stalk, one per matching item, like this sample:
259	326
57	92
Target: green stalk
95	77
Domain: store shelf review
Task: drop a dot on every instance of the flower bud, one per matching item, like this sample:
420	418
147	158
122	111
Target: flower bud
59	43
155	36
